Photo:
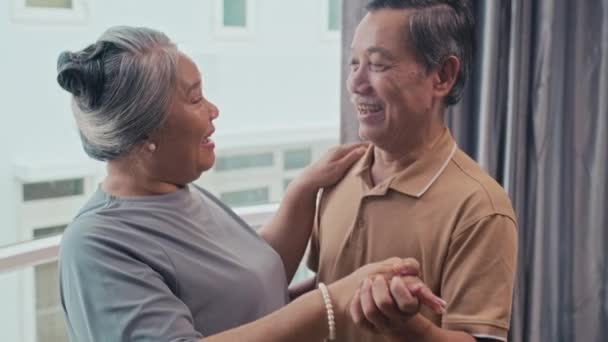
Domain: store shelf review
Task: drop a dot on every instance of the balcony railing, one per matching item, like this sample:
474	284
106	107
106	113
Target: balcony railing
22	255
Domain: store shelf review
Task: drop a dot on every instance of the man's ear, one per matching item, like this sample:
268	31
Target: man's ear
447	73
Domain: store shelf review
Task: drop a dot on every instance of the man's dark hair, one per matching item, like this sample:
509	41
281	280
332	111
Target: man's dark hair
438	29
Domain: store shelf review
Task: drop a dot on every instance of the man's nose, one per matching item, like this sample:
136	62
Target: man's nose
358	82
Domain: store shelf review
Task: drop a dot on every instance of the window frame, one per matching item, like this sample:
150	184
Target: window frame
230	31
326	33
77	15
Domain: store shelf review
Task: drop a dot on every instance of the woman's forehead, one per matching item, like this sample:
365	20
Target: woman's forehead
188	75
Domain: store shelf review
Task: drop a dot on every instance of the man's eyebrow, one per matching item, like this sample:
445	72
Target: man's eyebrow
384	52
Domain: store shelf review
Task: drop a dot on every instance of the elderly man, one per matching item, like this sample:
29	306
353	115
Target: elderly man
415	193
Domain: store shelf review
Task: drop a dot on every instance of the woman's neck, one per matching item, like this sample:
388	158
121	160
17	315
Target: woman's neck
126	178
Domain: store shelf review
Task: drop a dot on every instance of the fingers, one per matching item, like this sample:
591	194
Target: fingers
341	151
368	305
407	266
401	287
427	297
357	315
351	157
374	307
400	267
404	300
384	300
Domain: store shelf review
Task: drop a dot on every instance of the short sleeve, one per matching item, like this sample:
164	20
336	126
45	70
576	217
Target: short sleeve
109	294
478	278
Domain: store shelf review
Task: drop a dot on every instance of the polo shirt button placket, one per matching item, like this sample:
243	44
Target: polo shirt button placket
360	222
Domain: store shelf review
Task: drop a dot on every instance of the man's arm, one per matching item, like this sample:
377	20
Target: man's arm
392	309
477	282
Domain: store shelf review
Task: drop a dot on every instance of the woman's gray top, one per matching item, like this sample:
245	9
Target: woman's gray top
173	267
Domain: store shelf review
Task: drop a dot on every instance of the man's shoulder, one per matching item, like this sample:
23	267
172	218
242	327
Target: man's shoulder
480	192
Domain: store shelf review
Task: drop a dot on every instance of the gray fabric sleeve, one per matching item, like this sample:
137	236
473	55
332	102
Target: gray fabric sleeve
110	294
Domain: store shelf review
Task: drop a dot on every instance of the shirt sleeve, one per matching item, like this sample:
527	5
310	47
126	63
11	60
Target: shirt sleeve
110	294
478	278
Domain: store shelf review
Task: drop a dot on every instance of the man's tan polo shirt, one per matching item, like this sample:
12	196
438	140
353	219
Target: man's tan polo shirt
444	211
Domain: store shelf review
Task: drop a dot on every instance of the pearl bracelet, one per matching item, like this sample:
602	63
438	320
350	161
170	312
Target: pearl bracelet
330	311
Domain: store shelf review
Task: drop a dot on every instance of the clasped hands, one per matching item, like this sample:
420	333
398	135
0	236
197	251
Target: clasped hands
385	302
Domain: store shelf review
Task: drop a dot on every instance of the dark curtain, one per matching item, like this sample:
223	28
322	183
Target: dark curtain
535	116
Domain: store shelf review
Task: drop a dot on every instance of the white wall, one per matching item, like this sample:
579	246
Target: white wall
283	76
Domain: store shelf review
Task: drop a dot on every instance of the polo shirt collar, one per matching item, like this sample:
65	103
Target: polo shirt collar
417	178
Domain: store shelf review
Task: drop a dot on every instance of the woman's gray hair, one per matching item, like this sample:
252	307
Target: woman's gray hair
122	87
438	29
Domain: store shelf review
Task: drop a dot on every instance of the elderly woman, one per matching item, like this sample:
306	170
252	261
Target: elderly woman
152	257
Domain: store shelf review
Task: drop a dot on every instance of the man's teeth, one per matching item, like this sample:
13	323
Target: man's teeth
207	140
368	108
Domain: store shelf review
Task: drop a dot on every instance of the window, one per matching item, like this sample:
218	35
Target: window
53	189
235	13
234	17
49	314
332	18
297	159
50	11
244	161
246	197
49	3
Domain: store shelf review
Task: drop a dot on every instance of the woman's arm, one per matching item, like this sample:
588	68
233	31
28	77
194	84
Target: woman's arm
305	319
305	286
289	229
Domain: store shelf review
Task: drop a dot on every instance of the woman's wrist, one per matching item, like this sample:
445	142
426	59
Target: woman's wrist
304	187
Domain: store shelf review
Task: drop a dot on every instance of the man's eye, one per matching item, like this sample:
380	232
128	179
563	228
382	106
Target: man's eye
354	66
196	100
377	67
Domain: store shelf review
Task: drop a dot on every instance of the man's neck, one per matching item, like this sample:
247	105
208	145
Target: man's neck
390	160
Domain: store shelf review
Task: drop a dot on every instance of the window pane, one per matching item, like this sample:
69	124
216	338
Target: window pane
47	286
235	13
45	190
296	159
50	326
244	161
246	197
334	19
49	231
22	313
49	3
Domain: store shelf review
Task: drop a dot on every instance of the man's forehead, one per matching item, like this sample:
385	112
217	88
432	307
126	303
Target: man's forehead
381	29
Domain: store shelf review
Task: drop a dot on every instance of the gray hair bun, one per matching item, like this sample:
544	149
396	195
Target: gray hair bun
82	73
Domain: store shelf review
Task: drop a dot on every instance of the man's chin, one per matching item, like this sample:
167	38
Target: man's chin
369	135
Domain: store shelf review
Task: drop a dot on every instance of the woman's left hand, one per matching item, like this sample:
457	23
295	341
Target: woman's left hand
331	167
